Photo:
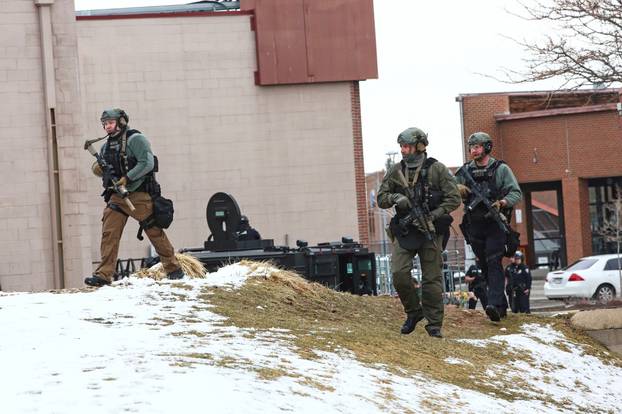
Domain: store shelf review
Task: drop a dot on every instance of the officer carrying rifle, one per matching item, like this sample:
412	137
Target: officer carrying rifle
489	191
423	192
127	167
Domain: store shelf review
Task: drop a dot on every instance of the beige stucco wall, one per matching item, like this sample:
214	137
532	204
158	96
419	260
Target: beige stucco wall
26	258
285	152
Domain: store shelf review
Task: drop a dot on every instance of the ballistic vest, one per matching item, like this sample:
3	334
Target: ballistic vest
485	178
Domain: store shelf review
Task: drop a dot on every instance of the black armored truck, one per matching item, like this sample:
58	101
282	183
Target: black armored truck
341	265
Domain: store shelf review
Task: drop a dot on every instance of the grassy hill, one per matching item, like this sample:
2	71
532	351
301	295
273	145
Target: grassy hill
255	339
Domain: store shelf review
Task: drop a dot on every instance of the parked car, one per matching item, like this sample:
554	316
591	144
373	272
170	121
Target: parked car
595	277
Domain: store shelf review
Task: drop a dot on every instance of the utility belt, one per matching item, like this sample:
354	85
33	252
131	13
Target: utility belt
415	238
512	237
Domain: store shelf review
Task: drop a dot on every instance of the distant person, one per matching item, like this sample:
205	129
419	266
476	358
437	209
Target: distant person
245	232
520	285
477	284
554	265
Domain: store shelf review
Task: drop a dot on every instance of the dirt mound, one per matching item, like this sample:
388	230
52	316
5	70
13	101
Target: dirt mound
321	319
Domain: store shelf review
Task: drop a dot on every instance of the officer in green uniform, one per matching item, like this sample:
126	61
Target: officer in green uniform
418	184
489	242
129	154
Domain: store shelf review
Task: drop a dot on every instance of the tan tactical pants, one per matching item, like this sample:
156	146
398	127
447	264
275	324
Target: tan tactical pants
431	303
113	223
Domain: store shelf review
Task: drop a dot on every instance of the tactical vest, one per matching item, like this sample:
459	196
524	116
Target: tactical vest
485	177
115	155
430	199
423	191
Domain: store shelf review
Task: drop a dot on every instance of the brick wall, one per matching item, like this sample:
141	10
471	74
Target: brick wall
359	166
478	114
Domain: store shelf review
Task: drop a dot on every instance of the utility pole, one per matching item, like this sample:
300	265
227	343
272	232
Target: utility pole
390	159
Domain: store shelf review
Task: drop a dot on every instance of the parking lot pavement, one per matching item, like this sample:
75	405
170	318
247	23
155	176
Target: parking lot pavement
538	302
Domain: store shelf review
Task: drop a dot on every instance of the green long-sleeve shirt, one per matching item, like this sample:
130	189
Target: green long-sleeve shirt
138	147
439	178
505	181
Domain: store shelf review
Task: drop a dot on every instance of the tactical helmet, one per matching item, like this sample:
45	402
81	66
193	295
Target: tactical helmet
243	220
412	136
117	114
483	139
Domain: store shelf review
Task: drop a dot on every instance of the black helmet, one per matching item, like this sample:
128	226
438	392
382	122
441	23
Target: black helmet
243	220
118	115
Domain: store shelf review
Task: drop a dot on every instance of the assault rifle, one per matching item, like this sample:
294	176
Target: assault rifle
419	213
108	171
480	198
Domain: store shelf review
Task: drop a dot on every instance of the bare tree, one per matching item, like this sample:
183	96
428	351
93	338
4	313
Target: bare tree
584	47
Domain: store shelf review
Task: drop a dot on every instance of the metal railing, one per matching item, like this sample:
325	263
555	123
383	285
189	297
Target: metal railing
453	273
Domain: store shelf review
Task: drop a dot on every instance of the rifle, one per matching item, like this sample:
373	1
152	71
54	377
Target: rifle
108	171
480	198
419	212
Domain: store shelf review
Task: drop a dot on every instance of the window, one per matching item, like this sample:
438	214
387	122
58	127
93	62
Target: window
582	264
603	193
613	264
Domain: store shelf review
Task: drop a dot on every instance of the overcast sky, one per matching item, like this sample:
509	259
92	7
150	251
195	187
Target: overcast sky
428	53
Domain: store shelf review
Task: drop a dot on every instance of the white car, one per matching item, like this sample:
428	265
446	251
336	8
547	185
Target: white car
589	277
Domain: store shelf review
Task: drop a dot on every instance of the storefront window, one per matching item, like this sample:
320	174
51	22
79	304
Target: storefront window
605	214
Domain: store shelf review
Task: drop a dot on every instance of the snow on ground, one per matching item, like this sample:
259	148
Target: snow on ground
148	347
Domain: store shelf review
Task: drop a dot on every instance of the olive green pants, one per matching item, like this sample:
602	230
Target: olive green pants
431	304
113	223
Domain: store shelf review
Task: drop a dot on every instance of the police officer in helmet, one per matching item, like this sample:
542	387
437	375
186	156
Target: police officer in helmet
422	183
489	242
520	284
128	153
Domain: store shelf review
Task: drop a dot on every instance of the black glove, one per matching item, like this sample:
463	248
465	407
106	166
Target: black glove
401	201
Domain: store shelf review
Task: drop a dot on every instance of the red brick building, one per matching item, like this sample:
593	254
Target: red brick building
565	148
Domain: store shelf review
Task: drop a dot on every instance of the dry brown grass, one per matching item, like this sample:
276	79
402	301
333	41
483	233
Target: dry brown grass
323	319
191	266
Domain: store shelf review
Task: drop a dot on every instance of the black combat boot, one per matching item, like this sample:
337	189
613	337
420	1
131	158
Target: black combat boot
96	281
176	274
409	324
434	331
493	313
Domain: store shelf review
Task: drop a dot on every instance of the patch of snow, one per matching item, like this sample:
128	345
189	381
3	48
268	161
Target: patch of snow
560	370
456	361
233	275
148	346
